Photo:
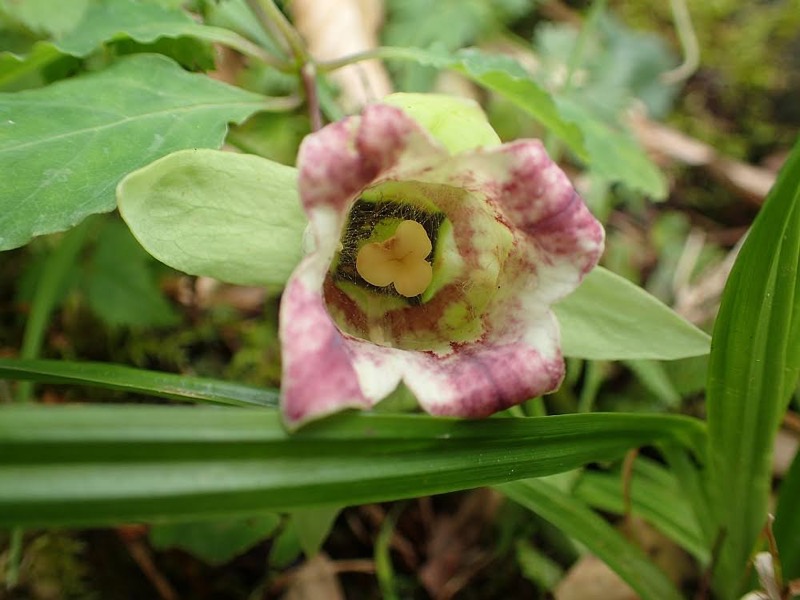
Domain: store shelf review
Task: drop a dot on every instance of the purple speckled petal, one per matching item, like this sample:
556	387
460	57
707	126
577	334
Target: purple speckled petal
336	163
556	241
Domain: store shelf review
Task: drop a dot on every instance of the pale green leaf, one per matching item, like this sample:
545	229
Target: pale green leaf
64	148
610	318
235	217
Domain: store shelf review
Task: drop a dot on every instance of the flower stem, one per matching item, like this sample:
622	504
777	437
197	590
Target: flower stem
374	53
271	19
309	75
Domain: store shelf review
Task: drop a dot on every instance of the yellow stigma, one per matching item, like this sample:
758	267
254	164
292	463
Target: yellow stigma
399	260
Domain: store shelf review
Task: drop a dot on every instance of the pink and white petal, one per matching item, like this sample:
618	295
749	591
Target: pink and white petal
559	238
340	160
489	376
318	374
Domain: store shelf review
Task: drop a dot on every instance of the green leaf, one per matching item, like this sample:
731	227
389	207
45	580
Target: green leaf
787	521
656	496
313	525
114	20
505	76
110	464
577	520
215	542
614	154
610	318
108	20
128	379
63	148
753	370
234	217
654	377
120	286
41	17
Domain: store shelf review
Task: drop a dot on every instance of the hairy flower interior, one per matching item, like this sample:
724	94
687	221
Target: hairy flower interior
417	266
400	260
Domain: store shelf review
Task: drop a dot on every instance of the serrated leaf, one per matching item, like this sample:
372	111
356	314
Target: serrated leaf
108	20
234	217
111	20
610	318
64	148
612	153
215	542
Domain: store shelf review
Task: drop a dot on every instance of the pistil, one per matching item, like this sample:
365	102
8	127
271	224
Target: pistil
399	260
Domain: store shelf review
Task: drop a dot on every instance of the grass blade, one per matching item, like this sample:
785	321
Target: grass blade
579	521
753	368
70	465
129	379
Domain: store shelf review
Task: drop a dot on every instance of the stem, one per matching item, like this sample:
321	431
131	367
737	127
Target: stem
689	45
14	557
381	53
271	18
309	76
48	287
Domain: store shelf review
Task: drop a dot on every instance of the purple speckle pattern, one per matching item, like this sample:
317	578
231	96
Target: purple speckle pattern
556	241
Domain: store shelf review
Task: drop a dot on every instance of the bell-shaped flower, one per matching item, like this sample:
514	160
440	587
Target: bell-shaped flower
430	266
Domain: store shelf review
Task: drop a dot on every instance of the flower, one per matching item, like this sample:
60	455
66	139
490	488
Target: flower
428	268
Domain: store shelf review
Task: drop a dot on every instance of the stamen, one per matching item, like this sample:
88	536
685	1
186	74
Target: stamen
399	260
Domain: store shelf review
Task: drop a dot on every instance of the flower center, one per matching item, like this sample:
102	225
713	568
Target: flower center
399	260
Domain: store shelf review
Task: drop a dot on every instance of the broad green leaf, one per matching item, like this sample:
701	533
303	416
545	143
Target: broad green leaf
110	464
610	318
128	379
63	148
787	521
120	286
234	217
215	542
579	521
656	496
753	370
